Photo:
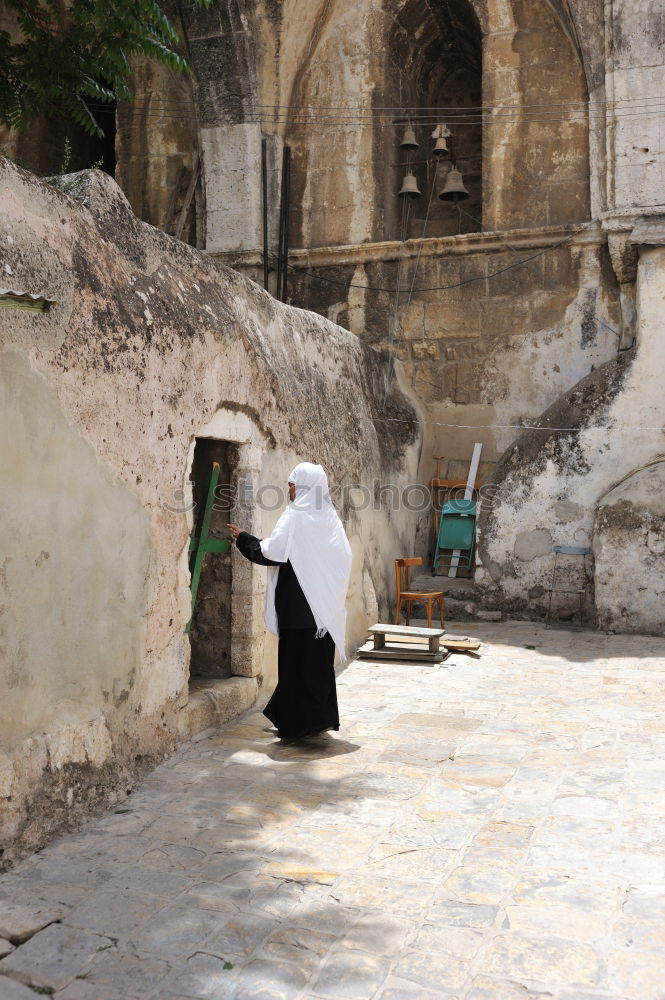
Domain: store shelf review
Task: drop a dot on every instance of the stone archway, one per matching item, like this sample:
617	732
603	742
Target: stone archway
519	61
434	68
235	439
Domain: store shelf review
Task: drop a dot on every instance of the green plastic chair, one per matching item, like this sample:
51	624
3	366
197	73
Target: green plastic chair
457	533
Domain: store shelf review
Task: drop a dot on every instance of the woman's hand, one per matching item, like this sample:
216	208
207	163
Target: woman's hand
234	530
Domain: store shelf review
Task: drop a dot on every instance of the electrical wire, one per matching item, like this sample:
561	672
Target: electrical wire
391	357
484	115
638	428
515	115
406	210
409	113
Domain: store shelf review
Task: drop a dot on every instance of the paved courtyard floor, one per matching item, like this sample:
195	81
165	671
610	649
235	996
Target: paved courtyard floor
489	829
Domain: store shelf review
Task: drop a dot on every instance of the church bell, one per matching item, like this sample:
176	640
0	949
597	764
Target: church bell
409	187
440	147
409	139
453	189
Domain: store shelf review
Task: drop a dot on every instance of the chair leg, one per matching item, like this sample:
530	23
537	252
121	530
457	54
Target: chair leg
408	612
441	607
548	616
398	609
429	612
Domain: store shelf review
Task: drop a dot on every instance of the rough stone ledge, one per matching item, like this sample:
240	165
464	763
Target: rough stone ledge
213	702
39	799
434	246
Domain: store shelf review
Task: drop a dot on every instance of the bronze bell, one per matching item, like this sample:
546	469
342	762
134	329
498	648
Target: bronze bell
409	187
453	189
440	147
409	139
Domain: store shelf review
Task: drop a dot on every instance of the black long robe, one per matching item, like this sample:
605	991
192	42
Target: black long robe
305	699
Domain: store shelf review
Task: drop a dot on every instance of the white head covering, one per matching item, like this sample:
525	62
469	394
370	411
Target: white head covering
310	535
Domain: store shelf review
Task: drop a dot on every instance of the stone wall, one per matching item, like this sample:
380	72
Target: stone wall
636	145
495	329
495	342
564	484
150	345
329	79
628	549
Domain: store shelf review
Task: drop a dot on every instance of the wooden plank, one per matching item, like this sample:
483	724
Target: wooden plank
175	191
461	643
217	545
468	495
425	633
402	648
203	538
403	653
415	640
189	194
469	644
453	484
212	545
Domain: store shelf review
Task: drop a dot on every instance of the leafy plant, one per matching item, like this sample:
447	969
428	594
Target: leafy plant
69	54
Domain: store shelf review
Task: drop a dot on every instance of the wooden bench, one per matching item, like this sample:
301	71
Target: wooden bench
410	643
433	635
421	644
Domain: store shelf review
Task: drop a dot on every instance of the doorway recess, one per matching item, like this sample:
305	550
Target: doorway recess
210	628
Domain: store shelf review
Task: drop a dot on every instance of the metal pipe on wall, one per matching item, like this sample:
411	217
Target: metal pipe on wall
283	239
287	211
264	203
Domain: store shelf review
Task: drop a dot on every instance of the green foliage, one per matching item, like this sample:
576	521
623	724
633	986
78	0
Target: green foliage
70	54
66	158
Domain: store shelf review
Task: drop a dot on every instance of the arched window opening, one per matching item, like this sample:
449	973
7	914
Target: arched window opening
435	76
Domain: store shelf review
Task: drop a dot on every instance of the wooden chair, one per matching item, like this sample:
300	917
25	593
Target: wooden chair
404	594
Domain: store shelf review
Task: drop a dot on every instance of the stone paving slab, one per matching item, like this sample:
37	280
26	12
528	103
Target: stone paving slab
488	829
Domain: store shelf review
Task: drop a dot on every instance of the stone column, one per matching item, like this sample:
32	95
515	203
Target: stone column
624	261
248	586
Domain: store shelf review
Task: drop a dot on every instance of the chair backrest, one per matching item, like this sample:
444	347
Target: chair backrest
403	573
460	506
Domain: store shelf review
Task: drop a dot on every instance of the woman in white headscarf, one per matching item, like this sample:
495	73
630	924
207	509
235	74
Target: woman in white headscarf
310	561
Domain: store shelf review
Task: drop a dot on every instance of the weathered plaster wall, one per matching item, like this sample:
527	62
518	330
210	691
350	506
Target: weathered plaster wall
549	483
629	532
491	353
496	351
62	510
149	346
